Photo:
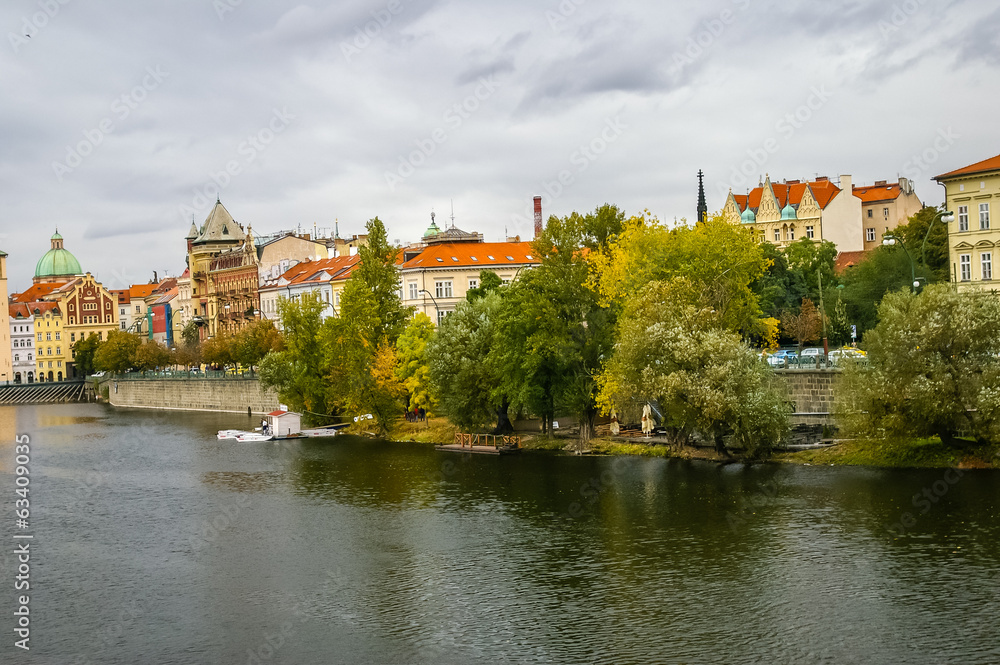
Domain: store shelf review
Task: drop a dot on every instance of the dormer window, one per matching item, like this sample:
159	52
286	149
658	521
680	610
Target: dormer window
455	259
490	257
440	260
474	258
510	258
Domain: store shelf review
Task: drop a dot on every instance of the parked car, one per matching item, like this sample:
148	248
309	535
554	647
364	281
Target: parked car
812	352
838	356
778	358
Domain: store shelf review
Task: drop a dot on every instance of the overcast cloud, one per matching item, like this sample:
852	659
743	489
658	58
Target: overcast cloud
480	103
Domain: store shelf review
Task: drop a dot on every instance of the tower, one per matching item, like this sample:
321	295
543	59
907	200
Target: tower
702	206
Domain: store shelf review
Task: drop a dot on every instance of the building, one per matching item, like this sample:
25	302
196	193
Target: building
435	279
22	339
222	259
182	304
782	213
276	254
165	326
326	278
139	308
973	237
56	265
124	308
885	206
6	348
51	350
88	309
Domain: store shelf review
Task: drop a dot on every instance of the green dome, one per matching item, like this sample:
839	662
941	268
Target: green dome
748	217
57	261
788	212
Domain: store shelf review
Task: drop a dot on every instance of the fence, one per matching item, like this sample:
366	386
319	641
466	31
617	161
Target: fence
490	440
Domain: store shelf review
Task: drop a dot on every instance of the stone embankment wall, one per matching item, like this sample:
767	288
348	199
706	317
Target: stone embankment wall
227	395
812	391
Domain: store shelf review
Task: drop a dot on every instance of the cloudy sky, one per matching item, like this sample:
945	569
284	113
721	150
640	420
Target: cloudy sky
120	120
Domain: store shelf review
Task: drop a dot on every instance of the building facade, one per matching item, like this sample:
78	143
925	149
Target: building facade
885	206
88	309
326	278
51	352
22	339
973	237
781	213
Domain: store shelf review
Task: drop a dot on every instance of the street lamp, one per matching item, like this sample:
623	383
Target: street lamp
889	240
947	217
437	310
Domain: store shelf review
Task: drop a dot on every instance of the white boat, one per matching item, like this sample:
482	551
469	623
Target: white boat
253	437
228	433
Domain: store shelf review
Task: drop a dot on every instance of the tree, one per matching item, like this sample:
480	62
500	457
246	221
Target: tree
117	353
488	281
299	372
913	234
218	350
721	260
83	354
673	349
805	326
151	355
885	269
378	276
413	371
190	337
256	340
932	368
778	287
462	369
810	260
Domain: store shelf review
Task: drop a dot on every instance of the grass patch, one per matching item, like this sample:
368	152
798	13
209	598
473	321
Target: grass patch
897	453
434	430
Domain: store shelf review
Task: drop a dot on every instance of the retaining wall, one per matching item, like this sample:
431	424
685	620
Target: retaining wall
812	391
226	395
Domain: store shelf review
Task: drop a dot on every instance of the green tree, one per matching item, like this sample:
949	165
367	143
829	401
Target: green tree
885	269
932	368
413	370
117	353
218	351
462	366
488	281
812	259
83	354
190	337
299	372
913	234
150	356
253	342
779	288
378	276
673	349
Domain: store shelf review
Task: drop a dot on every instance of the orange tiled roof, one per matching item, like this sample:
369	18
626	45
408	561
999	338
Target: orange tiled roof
27	309
847	260
467	254
19	309
991	164
823	191
873	193
123	297
338	267
36	292
141	290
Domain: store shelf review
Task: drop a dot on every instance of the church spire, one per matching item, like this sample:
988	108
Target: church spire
702	206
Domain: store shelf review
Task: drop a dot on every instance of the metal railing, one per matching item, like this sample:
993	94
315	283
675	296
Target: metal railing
171	374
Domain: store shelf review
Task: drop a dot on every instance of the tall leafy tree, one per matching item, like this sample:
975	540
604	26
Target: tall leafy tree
83	354
413	370
299	371
117	353
812	261
778	287
884	270
803	326
935	254
488	281
932	368
252	343
378	276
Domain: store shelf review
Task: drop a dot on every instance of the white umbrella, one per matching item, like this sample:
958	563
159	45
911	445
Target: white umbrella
614	423
647	420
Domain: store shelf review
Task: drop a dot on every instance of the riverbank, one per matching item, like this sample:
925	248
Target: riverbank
922	453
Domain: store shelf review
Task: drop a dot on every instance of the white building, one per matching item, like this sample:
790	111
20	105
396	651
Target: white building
22	338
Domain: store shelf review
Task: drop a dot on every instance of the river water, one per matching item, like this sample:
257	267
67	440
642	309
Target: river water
156	543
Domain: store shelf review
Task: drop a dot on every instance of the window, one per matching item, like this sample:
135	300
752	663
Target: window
123	325
984	216
336	299
441	316
17	358
965	267
791	233
39	337
58	350
885	213
869	213
136	309
777	235
963	218
986	265
961	188
870	234
810	233
413	291
442	289
473	283
29	356
48	350
48	337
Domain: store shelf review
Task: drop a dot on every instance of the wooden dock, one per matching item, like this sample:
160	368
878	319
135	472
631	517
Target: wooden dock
483	444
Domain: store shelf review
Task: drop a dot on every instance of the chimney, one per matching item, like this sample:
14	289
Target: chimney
845	183
538	216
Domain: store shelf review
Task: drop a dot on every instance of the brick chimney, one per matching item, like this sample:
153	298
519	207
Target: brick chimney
538	216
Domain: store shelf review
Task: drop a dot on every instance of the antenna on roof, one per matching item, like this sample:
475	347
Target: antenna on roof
453	213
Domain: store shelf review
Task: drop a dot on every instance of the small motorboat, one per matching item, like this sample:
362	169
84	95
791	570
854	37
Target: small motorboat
253	437
229	433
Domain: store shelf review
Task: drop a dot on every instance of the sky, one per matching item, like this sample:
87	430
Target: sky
121	121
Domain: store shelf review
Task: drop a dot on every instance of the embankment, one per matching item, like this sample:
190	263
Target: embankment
233	395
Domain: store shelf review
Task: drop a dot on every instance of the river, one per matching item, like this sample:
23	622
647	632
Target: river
156	543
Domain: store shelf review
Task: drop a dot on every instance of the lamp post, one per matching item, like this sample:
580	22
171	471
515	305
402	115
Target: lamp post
437	310
946	217
889	240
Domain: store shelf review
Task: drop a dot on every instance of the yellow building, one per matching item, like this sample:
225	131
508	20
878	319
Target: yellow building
973	238
51	344
87	308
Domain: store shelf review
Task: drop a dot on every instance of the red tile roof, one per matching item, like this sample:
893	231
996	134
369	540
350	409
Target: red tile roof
991	164
19	309
847	260
123	296
36	292
473	254
27	309
873	193
141	290
823	191
339	267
